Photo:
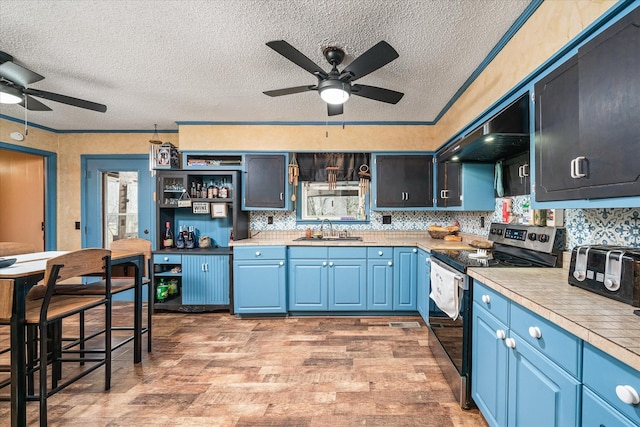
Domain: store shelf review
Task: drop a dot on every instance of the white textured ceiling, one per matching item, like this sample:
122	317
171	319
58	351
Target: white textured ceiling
165	61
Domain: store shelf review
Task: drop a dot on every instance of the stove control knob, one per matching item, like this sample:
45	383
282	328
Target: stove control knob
535	332
627	394
579	275
500	334
533	236
494	231
543	238
499	232
486	299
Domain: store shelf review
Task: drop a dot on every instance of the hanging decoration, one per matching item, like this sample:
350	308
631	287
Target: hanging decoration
294	174
364	185
332	174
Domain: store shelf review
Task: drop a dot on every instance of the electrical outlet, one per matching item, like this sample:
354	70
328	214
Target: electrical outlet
77	225
386	219
269	220
481	222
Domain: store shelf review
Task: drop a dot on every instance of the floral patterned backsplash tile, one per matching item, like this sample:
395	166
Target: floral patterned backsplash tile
619	226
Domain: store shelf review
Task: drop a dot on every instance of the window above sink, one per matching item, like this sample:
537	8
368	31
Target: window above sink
345	202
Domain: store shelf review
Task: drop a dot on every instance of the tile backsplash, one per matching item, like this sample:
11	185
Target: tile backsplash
619	226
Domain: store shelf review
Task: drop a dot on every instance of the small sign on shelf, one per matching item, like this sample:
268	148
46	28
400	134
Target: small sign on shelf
219	210
200	207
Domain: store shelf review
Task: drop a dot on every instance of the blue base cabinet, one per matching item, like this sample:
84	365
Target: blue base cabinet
327	278
405	278
424	284
259	280
380	278
205	279
516	381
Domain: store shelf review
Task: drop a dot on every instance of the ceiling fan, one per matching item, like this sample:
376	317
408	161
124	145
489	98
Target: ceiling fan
335	86
14	80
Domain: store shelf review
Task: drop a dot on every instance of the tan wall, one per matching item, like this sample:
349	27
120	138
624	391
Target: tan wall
307	138
551	27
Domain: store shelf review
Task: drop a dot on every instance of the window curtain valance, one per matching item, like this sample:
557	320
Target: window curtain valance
313	165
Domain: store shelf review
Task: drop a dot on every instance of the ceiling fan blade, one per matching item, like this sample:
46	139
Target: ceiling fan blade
33	104
377	56
76	102
18	74
290	90
335	109
295	56
377	93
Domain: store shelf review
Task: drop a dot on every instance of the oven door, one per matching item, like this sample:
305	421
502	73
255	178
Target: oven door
449	337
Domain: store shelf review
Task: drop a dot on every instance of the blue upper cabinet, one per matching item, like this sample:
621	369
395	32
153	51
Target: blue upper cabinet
465	186
586	122
265	186
402	182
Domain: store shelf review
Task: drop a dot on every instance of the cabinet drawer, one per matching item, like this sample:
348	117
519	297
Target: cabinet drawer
492	301
602	374
308	252
259	252
555	343
167	259
345	253
597	413
382	252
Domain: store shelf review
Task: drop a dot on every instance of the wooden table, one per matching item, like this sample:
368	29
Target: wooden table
25	273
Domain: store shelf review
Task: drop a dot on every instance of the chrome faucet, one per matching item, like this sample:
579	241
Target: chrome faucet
322	227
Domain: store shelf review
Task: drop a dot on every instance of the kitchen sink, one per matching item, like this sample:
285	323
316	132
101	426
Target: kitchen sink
329	238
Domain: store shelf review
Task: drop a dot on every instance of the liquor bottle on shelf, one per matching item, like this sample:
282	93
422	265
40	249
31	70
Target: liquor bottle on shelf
167	241
180	239
193	194
190	243
224	190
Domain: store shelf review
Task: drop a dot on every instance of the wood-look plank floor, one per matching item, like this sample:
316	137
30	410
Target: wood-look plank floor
213	369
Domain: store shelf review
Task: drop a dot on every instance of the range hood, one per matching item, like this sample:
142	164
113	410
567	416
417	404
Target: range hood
505	135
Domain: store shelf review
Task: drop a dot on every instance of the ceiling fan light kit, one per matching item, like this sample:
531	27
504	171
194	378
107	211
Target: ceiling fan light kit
335	87
9	95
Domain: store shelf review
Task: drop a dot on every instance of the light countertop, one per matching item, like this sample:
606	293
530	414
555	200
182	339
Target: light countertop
607	324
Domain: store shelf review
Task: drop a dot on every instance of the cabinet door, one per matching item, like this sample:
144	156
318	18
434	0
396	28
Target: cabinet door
405	279
390	181
449	188
418	181
598	413
424	285
347	284
259	286
264	181
308	285
170	188
540	392
609	76
380	284
515	175
490	368
205	279
557	138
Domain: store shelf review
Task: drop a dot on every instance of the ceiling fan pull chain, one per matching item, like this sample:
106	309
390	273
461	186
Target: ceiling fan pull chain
26	111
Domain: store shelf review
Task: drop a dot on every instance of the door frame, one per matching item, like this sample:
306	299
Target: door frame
84	190
50	191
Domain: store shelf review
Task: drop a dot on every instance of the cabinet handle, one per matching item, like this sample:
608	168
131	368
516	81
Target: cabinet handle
380	253
486	299
535	332
258	253
500	334
331	264
407	196
510	342
525	170
166	258
402	194
520	171
281	196
281	263
575	167
202	267
627	394
390	263
414	250
444	194
324	264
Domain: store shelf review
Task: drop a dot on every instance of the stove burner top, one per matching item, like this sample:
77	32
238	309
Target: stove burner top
511	261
